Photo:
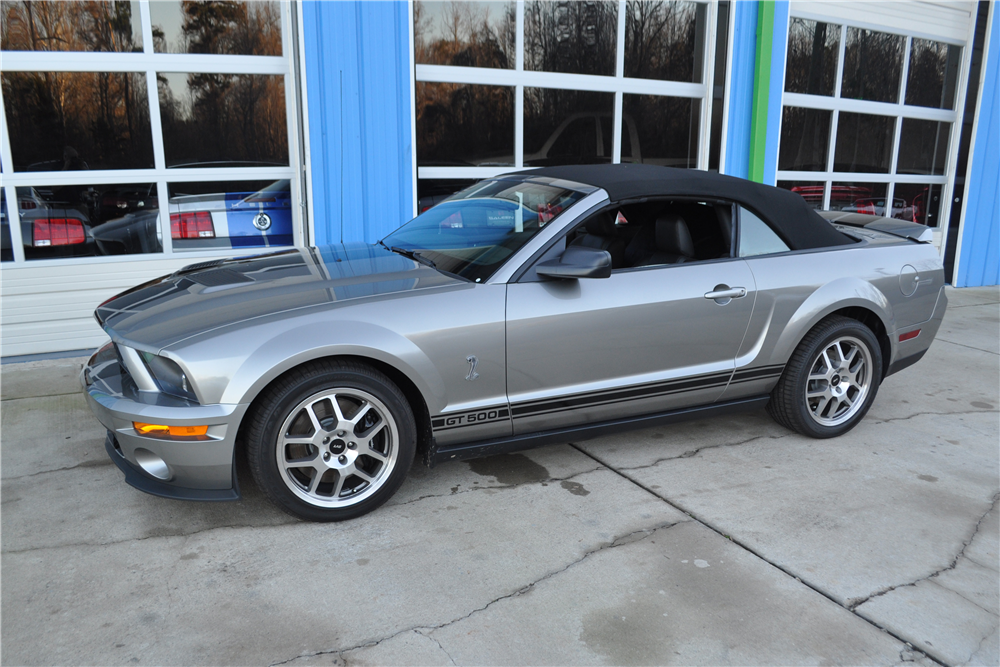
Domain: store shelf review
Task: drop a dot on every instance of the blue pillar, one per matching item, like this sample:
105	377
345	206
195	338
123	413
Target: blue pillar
741	82
357	65
979	256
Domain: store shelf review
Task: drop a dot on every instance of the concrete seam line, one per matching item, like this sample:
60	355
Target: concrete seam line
978	349
743	546
24	398
623	540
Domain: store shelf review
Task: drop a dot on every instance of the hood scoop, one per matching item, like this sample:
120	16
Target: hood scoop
214	278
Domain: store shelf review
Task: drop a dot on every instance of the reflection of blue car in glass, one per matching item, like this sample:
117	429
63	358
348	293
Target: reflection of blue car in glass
224	220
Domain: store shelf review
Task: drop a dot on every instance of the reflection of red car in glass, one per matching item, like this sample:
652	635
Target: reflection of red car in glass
841	196
876	206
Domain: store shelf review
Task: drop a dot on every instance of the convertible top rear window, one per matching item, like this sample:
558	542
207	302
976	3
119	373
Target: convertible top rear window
472	233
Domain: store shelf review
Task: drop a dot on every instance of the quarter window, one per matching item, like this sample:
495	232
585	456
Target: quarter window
756	238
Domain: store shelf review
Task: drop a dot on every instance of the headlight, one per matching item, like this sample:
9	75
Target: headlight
168	375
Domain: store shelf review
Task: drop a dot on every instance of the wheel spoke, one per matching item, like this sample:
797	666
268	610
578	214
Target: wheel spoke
310	410
821	406
363	475
826	360
337	412
303	462
314	482
817	392
359	415
339	486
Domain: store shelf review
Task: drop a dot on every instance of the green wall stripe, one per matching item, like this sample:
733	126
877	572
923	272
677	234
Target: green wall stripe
761	90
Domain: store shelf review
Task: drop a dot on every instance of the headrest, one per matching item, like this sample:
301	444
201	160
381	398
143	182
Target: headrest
602	224
673	236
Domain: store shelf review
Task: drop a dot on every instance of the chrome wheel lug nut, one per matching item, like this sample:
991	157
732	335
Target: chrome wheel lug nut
352	445
342	459
326	456
326	440
340	433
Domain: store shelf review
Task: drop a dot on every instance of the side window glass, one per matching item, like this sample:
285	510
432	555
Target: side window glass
756	238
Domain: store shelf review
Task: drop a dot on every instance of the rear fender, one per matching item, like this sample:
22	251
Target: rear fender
831	297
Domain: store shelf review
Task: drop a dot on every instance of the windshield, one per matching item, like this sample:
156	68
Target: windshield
474	231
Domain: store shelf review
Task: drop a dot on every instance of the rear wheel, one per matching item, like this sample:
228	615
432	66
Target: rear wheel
830	381
331	441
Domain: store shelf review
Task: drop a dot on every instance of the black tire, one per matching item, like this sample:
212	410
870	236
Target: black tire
822	414
358	468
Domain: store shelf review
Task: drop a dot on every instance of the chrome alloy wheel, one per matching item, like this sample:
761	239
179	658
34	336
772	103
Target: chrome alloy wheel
839	381
337	447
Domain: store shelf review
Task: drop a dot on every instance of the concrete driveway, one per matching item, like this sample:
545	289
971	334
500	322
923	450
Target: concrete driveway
728	541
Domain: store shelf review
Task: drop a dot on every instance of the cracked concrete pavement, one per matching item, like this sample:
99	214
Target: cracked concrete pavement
726	541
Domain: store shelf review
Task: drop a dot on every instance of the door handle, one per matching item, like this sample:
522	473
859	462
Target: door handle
724	294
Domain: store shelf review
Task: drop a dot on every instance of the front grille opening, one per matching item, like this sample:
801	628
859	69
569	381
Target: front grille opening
118	449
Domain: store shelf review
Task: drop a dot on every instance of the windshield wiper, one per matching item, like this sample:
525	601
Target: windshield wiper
414	255
417	257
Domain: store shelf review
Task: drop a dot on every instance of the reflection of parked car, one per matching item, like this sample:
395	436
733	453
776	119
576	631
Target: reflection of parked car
876	206
223	220
534	308
124	199
49	230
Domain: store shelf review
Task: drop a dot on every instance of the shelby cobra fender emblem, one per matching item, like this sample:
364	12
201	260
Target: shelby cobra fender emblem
262	221
472	367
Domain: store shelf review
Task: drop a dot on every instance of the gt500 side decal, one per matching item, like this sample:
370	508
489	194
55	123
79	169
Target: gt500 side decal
483	416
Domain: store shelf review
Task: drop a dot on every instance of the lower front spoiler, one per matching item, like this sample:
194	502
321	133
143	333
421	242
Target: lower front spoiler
143	482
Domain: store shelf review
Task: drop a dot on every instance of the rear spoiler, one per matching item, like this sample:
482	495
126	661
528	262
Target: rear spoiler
901	228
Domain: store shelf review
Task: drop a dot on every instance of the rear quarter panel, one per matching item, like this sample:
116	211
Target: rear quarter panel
795	291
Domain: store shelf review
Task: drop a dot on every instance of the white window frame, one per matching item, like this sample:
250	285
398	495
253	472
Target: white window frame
898	111
148	62
518	78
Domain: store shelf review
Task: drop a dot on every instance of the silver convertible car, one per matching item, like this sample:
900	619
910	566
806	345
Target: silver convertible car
532	308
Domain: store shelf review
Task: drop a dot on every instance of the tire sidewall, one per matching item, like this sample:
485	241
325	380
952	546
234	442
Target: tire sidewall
809	353
276	411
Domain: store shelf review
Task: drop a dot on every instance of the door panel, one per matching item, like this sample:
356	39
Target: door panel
641	341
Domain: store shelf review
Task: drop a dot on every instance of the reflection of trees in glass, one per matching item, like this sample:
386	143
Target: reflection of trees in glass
220	27
805	136
577	37
225	117
35	25
76	120
569	118
864	143
873	65
468	34
666	128
661	40
464	124
812	57
932	74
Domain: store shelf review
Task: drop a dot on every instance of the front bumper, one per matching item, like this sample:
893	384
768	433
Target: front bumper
182	469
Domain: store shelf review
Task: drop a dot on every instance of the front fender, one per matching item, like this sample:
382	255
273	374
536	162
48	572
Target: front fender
361	339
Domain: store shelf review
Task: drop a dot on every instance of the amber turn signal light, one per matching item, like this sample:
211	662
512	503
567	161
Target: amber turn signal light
161	430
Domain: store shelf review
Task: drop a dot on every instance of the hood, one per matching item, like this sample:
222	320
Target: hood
205	296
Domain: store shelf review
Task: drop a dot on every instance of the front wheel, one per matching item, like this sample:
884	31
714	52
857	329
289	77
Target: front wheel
331	441
830	381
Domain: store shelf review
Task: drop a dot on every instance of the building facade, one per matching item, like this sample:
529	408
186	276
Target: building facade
139	137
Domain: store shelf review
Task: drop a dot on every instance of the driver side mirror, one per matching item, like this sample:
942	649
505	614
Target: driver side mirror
577	262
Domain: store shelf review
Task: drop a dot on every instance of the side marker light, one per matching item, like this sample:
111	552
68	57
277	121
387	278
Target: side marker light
909	335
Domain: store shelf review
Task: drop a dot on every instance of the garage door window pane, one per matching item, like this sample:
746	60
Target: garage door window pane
664	40
572	37
933	74
66	121
223	120
922	147
812	57
873	65
59	221
566	127
42	25
461	124
858	197
660	130
465	34
235	27
805	138
918	203
864	143
230	214
811	191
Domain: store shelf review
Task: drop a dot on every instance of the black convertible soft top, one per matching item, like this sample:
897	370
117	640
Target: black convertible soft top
798	224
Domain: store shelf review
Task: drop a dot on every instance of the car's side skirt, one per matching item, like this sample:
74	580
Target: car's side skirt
472	450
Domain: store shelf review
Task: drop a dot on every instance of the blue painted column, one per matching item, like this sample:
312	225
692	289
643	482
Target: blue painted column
741	85
357	65
979	255
752	148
